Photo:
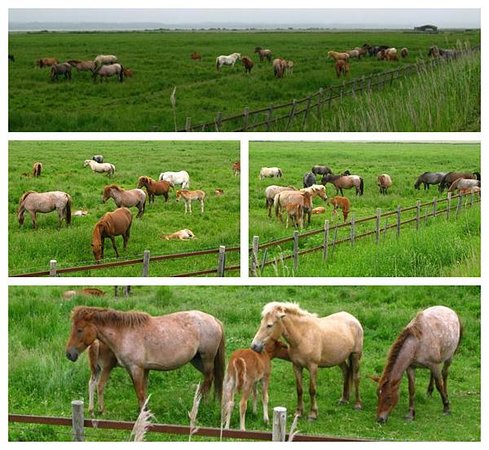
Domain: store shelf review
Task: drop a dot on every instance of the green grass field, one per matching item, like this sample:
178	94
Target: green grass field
208	163
161	61
438	249
42	381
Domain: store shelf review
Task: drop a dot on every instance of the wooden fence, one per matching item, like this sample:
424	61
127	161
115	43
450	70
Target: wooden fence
219	270
287	114
422	213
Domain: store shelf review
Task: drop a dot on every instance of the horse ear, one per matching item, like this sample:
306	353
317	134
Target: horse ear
280	312
374	378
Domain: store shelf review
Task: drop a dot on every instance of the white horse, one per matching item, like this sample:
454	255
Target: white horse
102	60
100	167
181	178
270	172
227	60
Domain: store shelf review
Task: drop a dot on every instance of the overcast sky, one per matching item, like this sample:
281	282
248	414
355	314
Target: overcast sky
464	18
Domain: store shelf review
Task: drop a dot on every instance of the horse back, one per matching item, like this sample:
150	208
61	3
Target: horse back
116	222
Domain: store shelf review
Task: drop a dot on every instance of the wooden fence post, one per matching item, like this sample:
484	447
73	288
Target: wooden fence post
77	420
146	256
377	226
459	205
52	268
418	213
188	124
246	113
330	97
291	114
449	204
326	240
320	101
434	207
218	121
398	220
279	424
254	256
352	230
269	117
221	261
306	112
296	250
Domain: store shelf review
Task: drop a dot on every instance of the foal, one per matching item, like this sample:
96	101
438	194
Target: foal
340	202
189	196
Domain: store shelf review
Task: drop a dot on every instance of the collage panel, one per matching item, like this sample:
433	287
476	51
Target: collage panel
124	208
257	332
364	209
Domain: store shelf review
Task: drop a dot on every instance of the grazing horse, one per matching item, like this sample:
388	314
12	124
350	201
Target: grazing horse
430	339
404	52
450	177
270	193
342	68
98	158
270	172
115	223
11	57
36	169
340	203
196	56
353	53
190	196
264	53
182	235
341	182
309	179
428	178
127	73
142	343
228	60
384	182
247	63
464	183
103	60
390	54
320	170
436	52
181	178
45	202
279	67
107	168
334	340
236	168
154	187
128	199
82	66
63	69
110	70
294	199
338	55
246	369
46	62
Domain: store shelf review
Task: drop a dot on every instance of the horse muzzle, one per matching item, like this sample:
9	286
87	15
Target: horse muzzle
382	419
257	346
72	354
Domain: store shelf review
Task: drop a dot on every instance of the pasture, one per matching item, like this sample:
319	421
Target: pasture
43	381
208	163
161	60
438	249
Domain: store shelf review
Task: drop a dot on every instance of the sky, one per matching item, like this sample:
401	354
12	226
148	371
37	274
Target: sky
385	18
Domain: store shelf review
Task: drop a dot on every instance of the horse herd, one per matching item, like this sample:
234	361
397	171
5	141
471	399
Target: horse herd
139	343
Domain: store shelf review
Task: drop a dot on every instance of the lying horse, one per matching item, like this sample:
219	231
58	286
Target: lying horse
182	235
45	202
129	198
154	187
110	70
341	182
60	69
428	178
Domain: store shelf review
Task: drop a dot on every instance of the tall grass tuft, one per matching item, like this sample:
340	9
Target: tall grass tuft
142	423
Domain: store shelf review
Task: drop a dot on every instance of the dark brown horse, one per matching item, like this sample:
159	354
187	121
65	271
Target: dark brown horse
247	63
341	182
154	187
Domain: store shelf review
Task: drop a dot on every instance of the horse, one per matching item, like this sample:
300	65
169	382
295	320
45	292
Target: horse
36	169
127	73
107	71
91	292
181	178
218	192
270	172
82	66
318	210
314	342
342	68
338	55
430	339
189	197
309	179
111	224
46	62
469	190
436	52
103	60
404	52
264	53
126	198
45	202
294	199
316	190
60	69
142	343
341	182
181	235
464	183
353	53
391	54
107	168
196	56
428	178
450	177
236	168
270	193
279	66
247	63
289	68
154	187
98	158
245	370
320	170
228	60
384	182
340	203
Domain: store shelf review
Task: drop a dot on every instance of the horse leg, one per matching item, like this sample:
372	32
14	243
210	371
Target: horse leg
33	218
202	206
313	372
431	385
104	376
92	384
355	376
112	238
265	383
444	373
243	404
125	237
298	382
139	378
254	391
411	376
345	397
440	385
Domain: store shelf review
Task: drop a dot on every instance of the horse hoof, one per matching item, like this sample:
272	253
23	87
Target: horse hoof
447	413
409	418
342	402
358	406
311	418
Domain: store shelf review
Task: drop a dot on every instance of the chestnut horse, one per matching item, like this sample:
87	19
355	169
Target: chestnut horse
236	168
340	203
196	56
341	182
154	187
115	223
430	339
342	68
189	197
142	343
45	202
247	63
46	62
129	198
314	342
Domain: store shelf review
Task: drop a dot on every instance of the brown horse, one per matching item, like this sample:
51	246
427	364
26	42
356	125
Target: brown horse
247	63
335	340
236	168
46	62
430	339
340	203
45	202
189	197
129	198
142	343
342	68
384	182
264	53
196	56
290	200
36	169
115	223
341	182
154	187
450	177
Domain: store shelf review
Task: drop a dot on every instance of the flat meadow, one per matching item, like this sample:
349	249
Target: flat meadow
42	381
161	62
439	248
208	164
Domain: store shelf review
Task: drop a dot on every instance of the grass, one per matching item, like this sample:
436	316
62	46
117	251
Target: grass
209	166
161	61
43	382
440	247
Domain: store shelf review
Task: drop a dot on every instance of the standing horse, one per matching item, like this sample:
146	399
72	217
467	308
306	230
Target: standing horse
102	60
107	168
189	197
82	66
154	187
342	68
320	170
264	53
335	340
430	339
36	169
45	202
46	62
294	199
338	55
270	193
229	60
181	178
450	177
279	67
308	179
384	182
247	63
340	203
111	224
341	182
110	70
196	56
428	178
60	69
142	343
464	184
123	198
270	172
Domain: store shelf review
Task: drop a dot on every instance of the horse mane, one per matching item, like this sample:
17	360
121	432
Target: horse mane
113	186
24	196
108	316
287	307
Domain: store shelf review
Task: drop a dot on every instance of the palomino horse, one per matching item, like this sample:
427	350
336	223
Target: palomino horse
428	178
36	169
279	67
463	184
290	201
45	202
341	182
154	187
189	197
115	223
102	60
107	168
247	63
142	343
450	177
228	60
264	53
246	369
384	182
107	71
63	69
338	55
340	203
270	193
270	172
129	198
335	340
46	62
181	178
430	339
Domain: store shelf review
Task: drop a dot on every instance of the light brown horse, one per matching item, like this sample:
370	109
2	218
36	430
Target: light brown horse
127	198
342	68
45	202
142	343
36	169
46	62
340	203
196	56
335	340
115	223
189	197
181	235
288	197
428	341
264	53
384	182
338	55
82	66
154	187
246	369
341	182
279	66
463	184
247	63
270	193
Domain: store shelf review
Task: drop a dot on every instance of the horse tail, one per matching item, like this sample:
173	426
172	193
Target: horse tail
68	209
121	74
461	333
220	365
361	185
21	208
217	63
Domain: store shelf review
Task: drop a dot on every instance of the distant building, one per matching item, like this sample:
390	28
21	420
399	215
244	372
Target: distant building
427	29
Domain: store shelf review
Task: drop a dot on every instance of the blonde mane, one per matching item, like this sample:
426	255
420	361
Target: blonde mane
287	307
107	316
